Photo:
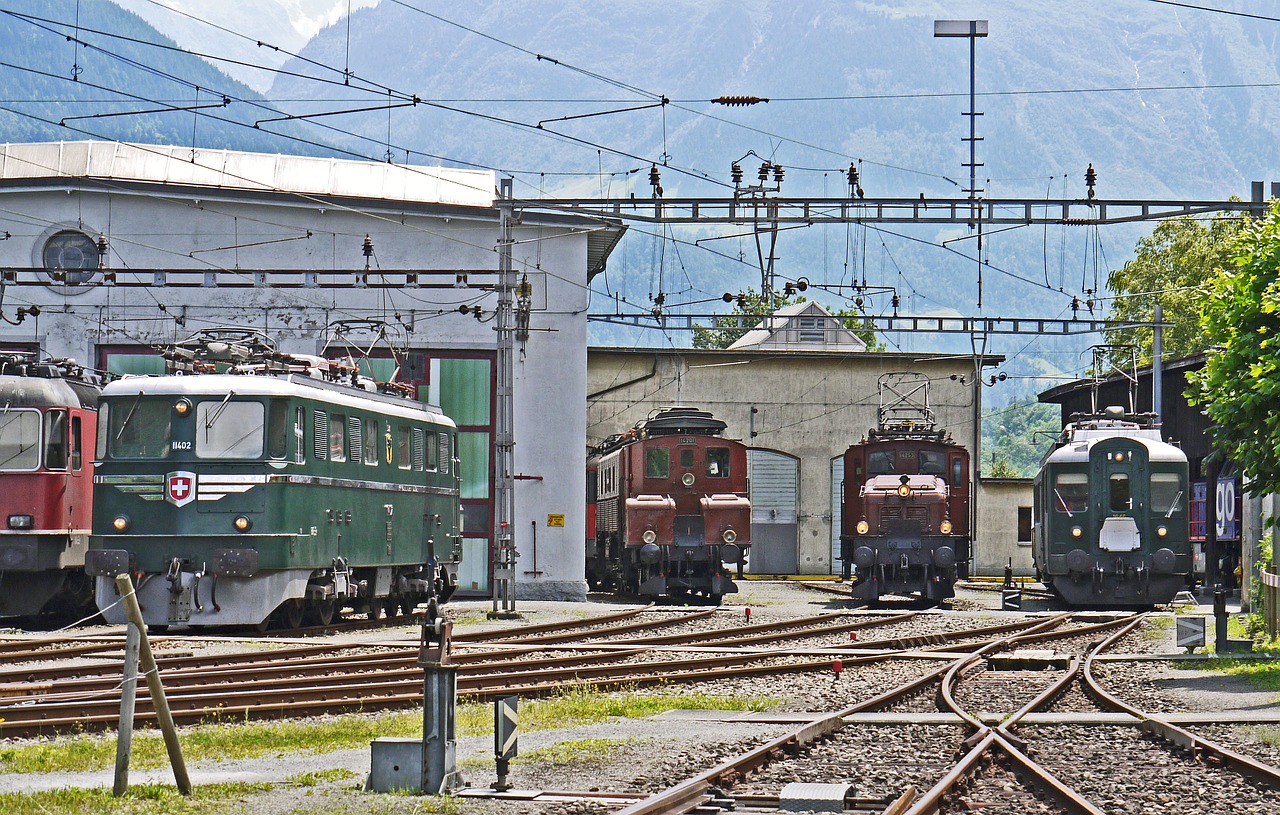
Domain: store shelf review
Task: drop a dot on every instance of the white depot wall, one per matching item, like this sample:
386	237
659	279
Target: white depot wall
997	541
233	236
812	405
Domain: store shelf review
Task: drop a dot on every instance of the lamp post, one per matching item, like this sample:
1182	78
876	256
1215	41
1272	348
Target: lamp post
972	29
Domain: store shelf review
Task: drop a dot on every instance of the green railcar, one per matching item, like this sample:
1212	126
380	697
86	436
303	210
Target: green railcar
257	499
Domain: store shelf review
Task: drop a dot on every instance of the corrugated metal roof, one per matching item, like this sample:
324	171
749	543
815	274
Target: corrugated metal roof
232	169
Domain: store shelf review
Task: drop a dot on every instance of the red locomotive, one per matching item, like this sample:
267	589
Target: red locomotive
48	427
671	508
905	509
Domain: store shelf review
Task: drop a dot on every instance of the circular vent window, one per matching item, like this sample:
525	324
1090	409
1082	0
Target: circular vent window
70	257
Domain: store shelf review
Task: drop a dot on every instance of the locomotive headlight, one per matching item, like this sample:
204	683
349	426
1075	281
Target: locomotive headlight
863	527
242	523
687	479
904	490
182	407
120	523
945	528
729	536
649	536
21	522
1076	531
1162	531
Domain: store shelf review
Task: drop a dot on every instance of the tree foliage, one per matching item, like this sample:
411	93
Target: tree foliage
1173	266
1016	438
725	331
1239	385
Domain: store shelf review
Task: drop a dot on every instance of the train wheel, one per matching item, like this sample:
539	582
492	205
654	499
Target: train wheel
392	607
716	599
293	613
323	612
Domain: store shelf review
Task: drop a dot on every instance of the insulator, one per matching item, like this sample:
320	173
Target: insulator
777	173
738	101
727	297
735	172
802	284
895	302
764	172
654	176
1075	306
1090	179
368	246
102	246
858	302
852	175
660	299
788	289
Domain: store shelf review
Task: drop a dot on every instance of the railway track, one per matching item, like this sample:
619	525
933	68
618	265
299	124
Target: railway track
975	751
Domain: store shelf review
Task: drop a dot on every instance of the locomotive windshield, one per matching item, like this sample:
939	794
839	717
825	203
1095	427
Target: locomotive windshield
1071	492
19	440
718	462
137	428
657	462
1166	493
932	462
229	429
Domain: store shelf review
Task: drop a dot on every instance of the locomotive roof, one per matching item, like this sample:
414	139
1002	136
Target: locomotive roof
36	391
684	420
1079	440
296	385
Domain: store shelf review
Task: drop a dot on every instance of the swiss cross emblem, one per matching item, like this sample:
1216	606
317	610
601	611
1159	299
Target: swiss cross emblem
180	488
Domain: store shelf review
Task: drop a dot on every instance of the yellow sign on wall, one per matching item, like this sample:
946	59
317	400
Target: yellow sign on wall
555	520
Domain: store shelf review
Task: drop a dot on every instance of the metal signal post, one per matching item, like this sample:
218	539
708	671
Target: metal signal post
504	555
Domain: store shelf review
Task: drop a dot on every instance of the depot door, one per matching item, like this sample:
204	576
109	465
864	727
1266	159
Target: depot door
774	492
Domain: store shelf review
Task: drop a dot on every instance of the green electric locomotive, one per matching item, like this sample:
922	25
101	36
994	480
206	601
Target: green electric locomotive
1111	514
271	494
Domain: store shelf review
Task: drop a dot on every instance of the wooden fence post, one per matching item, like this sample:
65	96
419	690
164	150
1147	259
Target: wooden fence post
128	695
125	586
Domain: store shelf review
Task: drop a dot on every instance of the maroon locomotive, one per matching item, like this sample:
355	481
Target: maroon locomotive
672	517
905	509
47	431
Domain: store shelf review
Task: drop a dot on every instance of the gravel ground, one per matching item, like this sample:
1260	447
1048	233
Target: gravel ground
645	755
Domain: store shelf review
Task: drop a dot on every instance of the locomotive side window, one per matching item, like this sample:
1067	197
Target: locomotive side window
404	458
338	437
77	443
371	442
657	462
881	463
20	440
433	452
1071	492
299	435
55	440
1118	489
278	430
1166	492
932	462
957	472
717	462
229	429
140	429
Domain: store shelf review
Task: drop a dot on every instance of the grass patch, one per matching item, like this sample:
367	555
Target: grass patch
225	741
322	776
1261	674
584	752
1157	628
143	799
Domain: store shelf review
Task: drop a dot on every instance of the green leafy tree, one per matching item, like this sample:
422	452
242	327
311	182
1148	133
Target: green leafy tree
1001	468
1239	385
727	330
1173	266
1018	436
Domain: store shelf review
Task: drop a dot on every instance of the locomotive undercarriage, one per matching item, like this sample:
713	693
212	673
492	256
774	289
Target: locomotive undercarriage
42	566
679	572
188	595
922	566
1131	579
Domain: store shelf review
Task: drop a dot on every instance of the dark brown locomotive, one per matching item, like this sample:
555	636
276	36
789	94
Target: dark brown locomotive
671	508
905	506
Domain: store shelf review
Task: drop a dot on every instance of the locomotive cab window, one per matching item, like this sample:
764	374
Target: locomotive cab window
299	435
77	443
55	440
686	458
371	442
229	429
657	463
404	459
20	440
278	430
1071	492
881	463
717	462
932	463
1166	492
139	428
1119	499
957	472
433	452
